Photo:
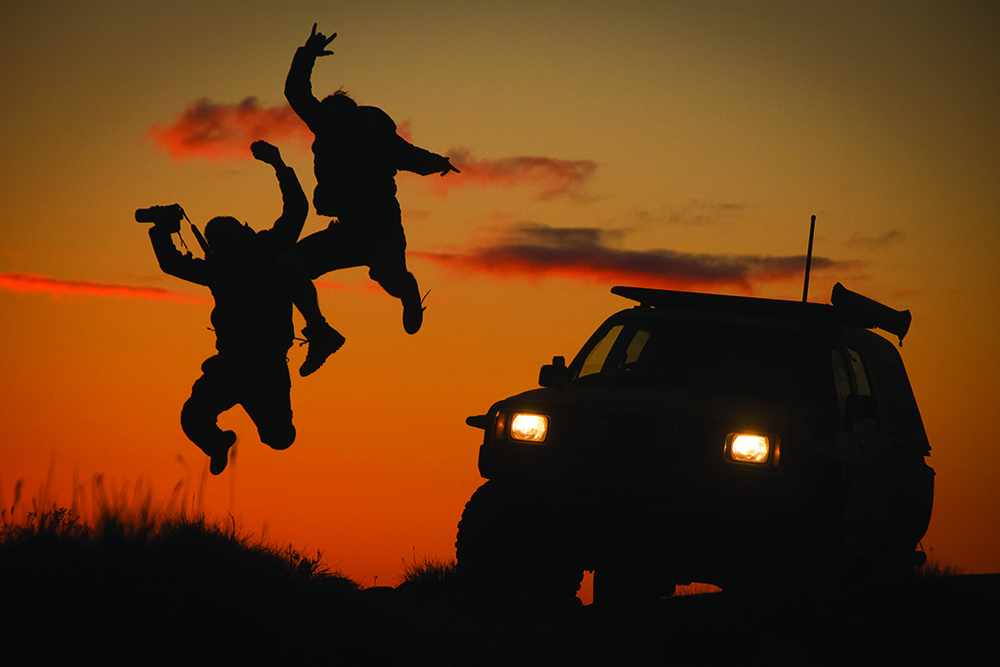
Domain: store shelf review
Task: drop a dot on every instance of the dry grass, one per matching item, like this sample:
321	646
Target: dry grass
112	520
934	567
429	570
126	568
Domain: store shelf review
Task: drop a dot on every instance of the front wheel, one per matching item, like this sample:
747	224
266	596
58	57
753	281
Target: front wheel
508	543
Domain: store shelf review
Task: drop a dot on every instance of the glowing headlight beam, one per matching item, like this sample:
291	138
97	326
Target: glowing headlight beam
748	448
529	428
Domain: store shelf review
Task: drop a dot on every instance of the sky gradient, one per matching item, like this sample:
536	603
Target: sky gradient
681	145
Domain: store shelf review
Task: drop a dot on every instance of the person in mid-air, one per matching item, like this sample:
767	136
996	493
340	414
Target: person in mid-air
357	154
252	317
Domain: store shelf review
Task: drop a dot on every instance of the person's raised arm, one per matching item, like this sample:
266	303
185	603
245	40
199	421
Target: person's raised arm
419	160
298	84
171	260
295	206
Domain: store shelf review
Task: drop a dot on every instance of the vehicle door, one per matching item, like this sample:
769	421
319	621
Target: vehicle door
866	449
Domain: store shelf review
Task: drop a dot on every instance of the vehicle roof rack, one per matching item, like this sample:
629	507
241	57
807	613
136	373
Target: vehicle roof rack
849	309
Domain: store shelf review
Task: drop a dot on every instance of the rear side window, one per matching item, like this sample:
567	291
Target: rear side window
841	380
860	376
861	381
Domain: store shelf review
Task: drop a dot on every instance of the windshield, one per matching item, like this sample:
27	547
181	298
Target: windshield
690	354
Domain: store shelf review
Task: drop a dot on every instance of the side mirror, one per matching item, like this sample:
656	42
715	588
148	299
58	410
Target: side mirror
860	407
479	421
555	374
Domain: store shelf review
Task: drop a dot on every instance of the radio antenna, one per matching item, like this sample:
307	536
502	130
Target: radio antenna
809	256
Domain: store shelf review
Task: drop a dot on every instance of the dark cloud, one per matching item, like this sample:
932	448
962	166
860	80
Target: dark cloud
585	254
698	212
694	213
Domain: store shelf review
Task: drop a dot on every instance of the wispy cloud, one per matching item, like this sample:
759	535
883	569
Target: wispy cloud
552	177
699	212
224	132
693	213
30	283
880	242
587	254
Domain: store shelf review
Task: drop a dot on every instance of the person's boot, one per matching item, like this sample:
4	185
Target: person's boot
413	310
220	457
323	341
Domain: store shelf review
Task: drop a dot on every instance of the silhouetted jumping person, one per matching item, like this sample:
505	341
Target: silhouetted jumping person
252	317
357	154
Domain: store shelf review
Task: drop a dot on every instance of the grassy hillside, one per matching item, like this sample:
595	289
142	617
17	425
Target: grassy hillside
133	583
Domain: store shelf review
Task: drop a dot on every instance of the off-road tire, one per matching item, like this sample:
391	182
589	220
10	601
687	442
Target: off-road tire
507	545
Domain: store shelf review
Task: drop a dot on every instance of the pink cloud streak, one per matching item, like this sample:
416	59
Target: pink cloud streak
553	177
224	132
30	283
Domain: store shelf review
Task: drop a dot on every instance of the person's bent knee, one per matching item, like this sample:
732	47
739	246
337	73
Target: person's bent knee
200	425
278	439
193	419
397	282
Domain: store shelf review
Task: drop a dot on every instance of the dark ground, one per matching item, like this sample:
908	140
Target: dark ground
194	592
949	618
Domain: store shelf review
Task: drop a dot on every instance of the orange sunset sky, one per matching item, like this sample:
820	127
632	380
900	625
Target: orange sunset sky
664	144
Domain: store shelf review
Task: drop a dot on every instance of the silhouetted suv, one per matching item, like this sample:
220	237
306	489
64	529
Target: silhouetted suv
744	442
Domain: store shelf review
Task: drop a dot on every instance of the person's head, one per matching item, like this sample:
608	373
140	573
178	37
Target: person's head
225	232
340	103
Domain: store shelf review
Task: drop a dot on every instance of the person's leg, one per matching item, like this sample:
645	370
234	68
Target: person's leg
295	278
400	283
387	264
266	398
211	395
310	258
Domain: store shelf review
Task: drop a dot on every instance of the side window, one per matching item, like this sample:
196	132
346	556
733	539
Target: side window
860	376
635	347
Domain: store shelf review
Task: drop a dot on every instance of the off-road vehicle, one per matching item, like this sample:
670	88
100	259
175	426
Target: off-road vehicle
744	442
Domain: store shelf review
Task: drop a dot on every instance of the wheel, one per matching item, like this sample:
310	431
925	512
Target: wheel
506	545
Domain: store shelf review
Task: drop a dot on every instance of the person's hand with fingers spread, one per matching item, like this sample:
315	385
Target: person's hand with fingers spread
317	43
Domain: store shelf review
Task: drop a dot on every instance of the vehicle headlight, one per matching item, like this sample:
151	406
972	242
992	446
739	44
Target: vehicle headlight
525	427
748	447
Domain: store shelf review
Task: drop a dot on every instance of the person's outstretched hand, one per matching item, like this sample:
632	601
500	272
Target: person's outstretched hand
317	43
265	152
